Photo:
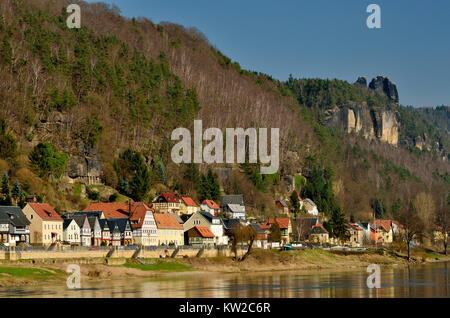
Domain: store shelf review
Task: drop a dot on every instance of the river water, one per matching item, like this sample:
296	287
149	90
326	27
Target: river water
431	280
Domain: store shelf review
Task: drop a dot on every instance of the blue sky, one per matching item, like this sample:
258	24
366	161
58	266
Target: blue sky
324	38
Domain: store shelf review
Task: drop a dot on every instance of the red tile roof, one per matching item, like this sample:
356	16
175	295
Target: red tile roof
45	211
188	201
204	231
282	222
211	204
167	221
385	224
113	210
169	197
356	227
138	212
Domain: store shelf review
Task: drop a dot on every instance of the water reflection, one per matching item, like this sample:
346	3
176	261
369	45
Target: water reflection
414	281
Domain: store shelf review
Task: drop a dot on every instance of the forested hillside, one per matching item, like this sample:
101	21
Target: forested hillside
116	88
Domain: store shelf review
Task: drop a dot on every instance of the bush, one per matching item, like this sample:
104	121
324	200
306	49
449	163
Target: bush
113	197
93	195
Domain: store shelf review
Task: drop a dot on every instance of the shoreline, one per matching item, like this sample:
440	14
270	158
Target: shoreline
19	273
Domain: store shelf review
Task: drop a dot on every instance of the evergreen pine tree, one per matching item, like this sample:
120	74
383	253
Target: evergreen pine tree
5	184
17	191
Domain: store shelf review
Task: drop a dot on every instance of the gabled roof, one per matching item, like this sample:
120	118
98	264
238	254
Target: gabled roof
67	222
355	227
138	212
232	199
208	216
45	211
177	217
282	222
318	229
211	204
204	231
166	221
80	219
110	210
230	223
120	223
385	224
104	224
91	220
236	208
169	197
188	201
13	215
257	228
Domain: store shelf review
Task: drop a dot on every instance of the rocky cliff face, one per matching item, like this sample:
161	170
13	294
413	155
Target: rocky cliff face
381	124
384	85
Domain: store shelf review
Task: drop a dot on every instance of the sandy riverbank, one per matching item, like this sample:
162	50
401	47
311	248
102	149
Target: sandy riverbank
26	273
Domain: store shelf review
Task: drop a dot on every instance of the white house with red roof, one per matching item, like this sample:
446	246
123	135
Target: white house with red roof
167	203
285	227
188	206
211	207
46	225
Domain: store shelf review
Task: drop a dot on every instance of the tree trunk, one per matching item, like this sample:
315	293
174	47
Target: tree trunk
249	250
409	250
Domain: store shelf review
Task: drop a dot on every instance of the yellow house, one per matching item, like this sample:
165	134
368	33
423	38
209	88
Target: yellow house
319	235
46	226
188	206
170	232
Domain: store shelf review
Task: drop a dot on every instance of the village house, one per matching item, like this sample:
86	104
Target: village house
233	205
213	223
282	206
71	232
365	227
319	235
170	231
386	234
188	206
46	226
285	228
14	226
85	229
260	236
309	206
167	203
200	236
356	235
145	231
121	231
96	231
211	207
106	233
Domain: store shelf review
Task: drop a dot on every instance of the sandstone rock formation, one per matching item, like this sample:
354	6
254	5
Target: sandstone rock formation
381	123
384	85
87	169
362	80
